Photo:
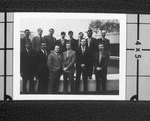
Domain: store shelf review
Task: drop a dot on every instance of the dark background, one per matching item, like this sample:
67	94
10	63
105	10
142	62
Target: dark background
98	6
75	110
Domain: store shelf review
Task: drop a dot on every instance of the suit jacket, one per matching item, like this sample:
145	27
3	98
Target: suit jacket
50	41
36	43
104	61
69	61
82	58
74	44
106	43
42	68
92	44
54	62
23	41
28	62
62	47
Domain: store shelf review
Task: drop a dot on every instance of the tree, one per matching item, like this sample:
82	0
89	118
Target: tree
108	25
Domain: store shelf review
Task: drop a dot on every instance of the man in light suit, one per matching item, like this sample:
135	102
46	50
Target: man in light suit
69	58
42	73
50	40
25	40
37	40
101	59
28	67
54	63
62	42
82	63
91	43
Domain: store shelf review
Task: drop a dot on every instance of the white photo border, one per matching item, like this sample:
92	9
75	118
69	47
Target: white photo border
16	58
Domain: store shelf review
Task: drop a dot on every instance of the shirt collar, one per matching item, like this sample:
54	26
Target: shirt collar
26	38
68	50
28	50
103	38
39	35
42	50
62	39
55	53
101	51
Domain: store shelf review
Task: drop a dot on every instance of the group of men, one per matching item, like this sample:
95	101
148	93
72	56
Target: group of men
47	59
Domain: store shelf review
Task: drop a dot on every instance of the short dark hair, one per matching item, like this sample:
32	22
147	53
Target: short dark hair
26	30
39	29
43	43
70	32
100	43
28	43
51	29
68	43
63	33
90	31
81	33
56	45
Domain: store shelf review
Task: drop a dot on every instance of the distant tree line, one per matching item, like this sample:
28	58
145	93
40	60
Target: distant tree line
107	25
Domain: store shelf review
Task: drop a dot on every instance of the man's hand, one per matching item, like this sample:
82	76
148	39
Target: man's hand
98	68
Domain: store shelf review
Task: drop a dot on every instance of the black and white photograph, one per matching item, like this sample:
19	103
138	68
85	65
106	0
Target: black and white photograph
69	56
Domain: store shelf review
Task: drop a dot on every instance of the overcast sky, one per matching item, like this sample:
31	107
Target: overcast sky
59	25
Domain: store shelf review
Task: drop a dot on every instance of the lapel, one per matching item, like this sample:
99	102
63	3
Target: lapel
69	54
103	57
50	38
41	53
79	43
97	57
39	40
58	57
60	42
26	53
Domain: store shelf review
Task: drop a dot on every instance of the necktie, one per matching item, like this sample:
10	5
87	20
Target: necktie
100	57
40	39
83	49
67	54
29	52
62	41
79	43
89	40
45	53
58	56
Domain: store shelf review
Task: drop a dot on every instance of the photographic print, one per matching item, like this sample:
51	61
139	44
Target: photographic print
69	56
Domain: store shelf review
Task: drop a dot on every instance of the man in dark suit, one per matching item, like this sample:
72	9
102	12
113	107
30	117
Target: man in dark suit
74	42
42	73
105	41
101	59
91	43
28	67
37	40
25	40
54	63
81	35
82	63
69	58
50	40
62	43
